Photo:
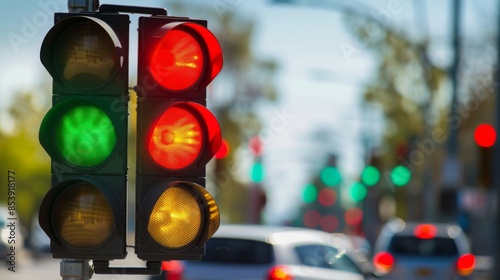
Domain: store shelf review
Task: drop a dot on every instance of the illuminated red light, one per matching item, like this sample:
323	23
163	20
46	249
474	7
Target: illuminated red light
185	133
176	140
186	56
485	135
177	62
466	264
383	262
279	273
353	216
327	197
425	231
223	151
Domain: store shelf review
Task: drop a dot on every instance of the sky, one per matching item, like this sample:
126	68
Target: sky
322	72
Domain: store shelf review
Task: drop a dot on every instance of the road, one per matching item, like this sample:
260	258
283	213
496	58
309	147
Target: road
46	268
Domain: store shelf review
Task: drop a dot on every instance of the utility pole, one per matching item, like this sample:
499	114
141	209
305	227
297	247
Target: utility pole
496	162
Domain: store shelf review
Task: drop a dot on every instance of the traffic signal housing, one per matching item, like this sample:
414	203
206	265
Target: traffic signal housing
485	137
85	134
177	136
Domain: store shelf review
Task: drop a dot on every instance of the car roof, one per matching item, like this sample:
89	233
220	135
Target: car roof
400	227
274	234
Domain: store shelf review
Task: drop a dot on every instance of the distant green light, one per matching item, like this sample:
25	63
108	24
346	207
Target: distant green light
85	136
310	193
370	176
330	176
357	192
400	176
257	172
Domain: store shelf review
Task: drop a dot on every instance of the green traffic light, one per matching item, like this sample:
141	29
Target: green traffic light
85	136
330	176
310	193
357	192
257	172
370	176
400	176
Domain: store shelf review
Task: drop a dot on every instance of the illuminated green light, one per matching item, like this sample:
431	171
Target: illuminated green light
357	192
257	172
400	176
85	136
310	193
330	176
370	176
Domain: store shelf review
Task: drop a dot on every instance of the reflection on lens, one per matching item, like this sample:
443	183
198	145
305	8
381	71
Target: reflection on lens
85	55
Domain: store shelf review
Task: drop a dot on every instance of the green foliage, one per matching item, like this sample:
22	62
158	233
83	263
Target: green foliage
22	153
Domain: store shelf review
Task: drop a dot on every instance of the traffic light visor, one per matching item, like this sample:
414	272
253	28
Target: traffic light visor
183	56
185	133
184	213
82	216
82	52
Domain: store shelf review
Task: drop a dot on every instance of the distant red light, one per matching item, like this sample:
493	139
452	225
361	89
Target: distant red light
425	231
327	197
353	216
223	151
485	135
279	273
383	262
255	145
466	264
312	219
329	223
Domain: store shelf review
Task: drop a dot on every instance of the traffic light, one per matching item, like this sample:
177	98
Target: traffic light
85	134
177	136
485	137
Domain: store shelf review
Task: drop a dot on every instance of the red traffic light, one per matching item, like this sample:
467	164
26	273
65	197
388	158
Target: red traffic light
184	134
485	135
183	56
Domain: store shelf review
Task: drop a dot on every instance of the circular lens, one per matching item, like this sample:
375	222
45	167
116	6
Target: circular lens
175	220
177	61
85	55
82	216
85	136
176	139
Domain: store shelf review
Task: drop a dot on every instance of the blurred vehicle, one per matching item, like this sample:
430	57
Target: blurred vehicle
358	247
414	251
39	242
255	252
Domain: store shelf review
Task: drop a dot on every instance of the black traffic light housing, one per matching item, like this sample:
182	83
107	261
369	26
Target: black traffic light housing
85	134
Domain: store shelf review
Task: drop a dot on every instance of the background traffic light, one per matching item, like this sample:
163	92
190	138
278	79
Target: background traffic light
485	137
85	134
177	136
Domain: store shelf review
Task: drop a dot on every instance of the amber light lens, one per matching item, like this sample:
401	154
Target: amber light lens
83	216
181	210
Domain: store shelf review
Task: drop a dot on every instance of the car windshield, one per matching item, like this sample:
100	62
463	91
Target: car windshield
238	251
413	246
326	257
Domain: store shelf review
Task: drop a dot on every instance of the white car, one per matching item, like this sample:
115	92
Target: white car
430	251
254	252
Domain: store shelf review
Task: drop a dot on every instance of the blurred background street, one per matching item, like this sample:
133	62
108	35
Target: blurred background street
335	115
